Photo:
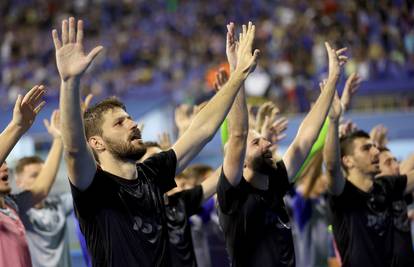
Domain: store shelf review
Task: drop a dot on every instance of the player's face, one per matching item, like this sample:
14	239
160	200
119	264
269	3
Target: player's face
365	157
388	164
258	154
121	135
28	175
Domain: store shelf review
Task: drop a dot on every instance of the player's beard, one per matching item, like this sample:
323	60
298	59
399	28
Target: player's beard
125	150
262	164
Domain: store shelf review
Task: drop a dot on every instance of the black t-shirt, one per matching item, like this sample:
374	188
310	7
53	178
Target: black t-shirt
124	221
180	207
255	222
372	228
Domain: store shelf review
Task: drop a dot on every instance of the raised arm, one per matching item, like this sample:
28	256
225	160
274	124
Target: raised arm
237	123
43	183
236	145
209	185
332	151
238	120
24	114
183	115
72	62
350	89
208	120
310	127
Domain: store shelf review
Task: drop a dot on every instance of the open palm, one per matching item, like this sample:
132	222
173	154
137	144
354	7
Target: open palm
336	59
53	126
27	107
351	87
71	59
246	60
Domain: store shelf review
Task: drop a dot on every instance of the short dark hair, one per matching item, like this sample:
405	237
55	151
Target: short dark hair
347	141
93	116
23	162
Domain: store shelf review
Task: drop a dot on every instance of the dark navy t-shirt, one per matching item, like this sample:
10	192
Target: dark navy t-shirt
124	221
372	228
255	222
179	208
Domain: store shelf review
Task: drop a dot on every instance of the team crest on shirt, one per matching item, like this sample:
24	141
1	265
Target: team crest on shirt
378	222
176	222
151	231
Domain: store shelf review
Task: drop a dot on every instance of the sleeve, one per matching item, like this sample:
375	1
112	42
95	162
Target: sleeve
21	201
400	183
342	200
192	199
230	198
162	167
397	185
279	179
67	203
86	202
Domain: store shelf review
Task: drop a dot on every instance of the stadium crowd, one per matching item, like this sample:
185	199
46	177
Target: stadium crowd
170	45
337	196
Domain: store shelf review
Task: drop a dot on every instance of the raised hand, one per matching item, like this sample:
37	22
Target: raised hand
246	60
269	124
351	87
252	118
267	109
231	47
183	117
71	59
379	134
164	140
278	128
53	127
221	78
27	107
273	128
336	60
347	128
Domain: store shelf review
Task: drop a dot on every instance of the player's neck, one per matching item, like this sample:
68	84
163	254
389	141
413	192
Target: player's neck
121	168
256	179
362	181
